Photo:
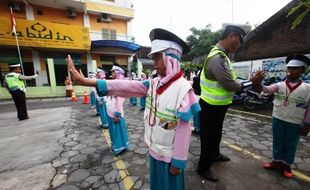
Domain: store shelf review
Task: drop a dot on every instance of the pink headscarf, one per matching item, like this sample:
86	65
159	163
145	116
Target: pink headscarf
171	59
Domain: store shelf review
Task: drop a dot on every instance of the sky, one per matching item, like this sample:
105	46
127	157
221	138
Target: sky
178	16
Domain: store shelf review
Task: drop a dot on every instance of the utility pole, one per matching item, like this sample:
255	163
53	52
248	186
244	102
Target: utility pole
232	11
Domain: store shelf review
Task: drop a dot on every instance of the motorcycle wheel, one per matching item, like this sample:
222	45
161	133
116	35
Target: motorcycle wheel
247	104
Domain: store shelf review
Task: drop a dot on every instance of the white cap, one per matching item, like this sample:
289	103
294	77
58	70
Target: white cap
99	70
118	68
296	63
14	65
161	45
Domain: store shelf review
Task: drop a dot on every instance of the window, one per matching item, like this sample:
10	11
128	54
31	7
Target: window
60	66
108	34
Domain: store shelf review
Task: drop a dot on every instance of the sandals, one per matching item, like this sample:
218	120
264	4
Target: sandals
279	166
273	165
287	172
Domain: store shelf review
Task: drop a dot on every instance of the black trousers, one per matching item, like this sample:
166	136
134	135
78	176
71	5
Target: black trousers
211	126
19	98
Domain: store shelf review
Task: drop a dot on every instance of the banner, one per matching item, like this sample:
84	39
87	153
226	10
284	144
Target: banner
44	34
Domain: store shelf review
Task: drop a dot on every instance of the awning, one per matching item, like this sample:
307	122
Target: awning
101	44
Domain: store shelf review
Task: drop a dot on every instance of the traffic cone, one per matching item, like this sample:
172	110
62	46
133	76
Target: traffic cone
73	97
85	99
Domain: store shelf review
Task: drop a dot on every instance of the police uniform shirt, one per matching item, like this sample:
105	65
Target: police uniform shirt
218	69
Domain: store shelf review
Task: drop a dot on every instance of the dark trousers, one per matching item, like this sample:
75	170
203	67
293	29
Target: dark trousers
19	98
211	126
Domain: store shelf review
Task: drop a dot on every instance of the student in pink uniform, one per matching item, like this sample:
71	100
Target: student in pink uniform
117	124
170	104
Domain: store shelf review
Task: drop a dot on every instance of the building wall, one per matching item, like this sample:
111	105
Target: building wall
5	11
43	59
274	38
57	16
119	25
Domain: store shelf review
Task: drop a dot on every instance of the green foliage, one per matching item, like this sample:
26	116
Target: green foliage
202	41
147	72
301	5
189	66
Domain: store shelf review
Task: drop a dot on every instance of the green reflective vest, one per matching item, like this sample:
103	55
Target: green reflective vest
14	82
213	92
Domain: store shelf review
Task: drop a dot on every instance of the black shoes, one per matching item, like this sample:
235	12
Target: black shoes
208	175
221	158
23	118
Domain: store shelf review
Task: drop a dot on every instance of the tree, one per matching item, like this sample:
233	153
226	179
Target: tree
201	41
304	6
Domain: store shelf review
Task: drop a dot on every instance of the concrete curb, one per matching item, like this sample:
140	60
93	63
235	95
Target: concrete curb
4	102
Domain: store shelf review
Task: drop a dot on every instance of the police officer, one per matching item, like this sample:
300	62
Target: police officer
14	82
218	84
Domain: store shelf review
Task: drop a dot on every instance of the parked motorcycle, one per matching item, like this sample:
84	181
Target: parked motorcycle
239	97
254	99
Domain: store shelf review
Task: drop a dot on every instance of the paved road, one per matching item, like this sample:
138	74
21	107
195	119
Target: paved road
62	147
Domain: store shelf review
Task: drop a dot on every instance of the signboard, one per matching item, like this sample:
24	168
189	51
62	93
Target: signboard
242	71
275	70
44	34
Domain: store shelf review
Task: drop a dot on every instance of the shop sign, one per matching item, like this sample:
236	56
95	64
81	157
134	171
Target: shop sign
44	34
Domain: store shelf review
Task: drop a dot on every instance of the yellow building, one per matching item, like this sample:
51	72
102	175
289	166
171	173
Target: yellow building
94	32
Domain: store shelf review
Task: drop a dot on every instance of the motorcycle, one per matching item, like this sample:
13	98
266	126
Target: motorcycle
239	97
254	99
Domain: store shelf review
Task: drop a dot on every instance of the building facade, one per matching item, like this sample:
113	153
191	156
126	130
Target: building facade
94	32
267	46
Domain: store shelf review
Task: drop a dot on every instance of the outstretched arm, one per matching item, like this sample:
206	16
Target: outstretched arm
77	76
24	77
123	88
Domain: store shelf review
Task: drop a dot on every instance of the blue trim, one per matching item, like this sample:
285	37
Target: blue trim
117	114
186	116
178	163
102	87
115	43
146	83
172	55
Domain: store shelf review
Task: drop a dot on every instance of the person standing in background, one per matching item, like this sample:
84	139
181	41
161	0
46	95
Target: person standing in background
69	87
133	100
101	103
142	99
117	123
218	85
15	84
93	93
197	91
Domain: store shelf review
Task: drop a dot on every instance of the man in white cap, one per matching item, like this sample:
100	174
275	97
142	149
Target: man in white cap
291	114
14	82
167	114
